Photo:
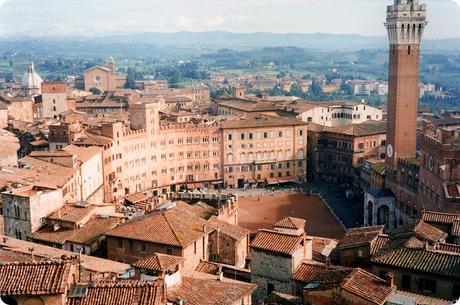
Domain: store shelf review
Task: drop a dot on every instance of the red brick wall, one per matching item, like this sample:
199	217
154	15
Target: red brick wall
402	101
130	252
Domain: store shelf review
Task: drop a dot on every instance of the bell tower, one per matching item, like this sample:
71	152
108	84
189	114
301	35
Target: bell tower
405	23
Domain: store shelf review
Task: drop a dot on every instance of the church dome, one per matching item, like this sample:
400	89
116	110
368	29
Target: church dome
31	80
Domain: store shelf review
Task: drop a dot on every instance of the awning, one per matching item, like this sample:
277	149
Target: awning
231	181
271	181
190	186
286	179
252	181
217	182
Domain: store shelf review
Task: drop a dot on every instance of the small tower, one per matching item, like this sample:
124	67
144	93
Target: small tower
111	64
406	21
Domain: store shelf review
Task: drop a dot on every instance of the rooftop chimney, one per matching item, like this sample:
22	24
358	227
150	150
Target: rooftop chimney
390	280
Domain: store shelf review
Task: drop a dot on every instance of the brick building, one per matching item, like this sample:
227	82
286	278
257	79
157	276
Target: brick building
334	152
173	229
104	78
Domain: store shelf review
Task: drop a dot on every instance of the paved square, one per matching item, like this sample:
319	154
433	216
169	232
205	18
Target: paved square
261	212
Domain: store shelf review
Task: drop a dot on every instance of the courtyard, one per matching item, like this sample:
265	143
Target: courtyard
262	211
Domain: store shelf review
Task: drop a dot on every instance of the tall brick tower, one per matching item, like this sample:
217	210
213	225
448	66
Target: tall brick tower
406	21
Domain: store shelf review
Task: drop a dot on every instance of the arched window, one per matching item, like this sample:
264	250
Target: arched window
280	154
250	157
230	158
242	157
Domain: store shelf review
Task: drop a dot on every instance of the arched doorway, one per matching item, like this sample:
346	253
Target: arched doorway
383	215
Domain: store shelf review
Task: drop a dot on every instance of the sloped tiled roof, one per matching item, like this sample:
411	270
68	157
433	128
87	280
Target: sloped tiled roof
34	278
452	248
360	236
277	242
379	243
422	260
438	217
421	230
125	292
307	271
291	223
85	235
200	291
367	286
177	226
261	122
207	267
159	262
420	299
455	231
233	231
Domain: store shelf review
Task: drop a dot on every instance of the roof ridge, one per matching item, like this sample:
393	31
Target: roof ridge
172	229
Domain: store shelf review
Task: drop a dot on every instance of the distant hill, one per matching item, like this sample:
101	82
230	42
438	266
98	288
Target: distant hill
219	39
185	44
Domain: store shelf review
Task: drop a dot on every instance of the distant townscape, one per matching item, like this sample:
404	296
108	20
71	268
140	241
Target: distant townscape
231	188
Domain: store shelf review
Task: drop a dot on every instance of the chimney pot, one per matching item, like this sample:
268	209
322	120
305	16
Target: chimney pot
390	280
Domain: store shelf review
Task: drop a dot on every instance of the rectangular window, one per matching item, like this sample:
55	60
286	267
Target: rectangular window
406	281
120	243
169	251
427	285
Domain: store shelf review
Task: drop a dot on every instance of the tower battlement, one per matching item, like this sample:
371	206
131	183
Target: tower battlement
406	22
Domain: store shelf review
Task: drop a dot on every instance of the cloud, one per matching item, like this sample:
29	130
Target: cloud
457	1
2	2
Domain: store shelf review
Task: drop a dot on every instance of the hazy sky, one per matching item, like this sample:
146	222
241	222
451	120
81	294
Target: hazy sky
105	17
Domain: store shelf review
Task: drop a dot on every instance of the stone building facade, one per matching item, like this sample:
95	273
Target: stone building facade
255	150
24	209
54	99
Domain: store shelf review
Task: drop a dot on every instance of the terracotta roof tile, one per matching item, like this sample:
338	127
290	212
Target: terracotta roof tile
197	291
360	236
277	242
421	230
261	122
125	292
421	260
34	278
367	286
71	213
291	223
90	263
378	244
437	217
421	299
455	231
208	267
85	235
233	231
444	247
307	271
159	262
176	226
